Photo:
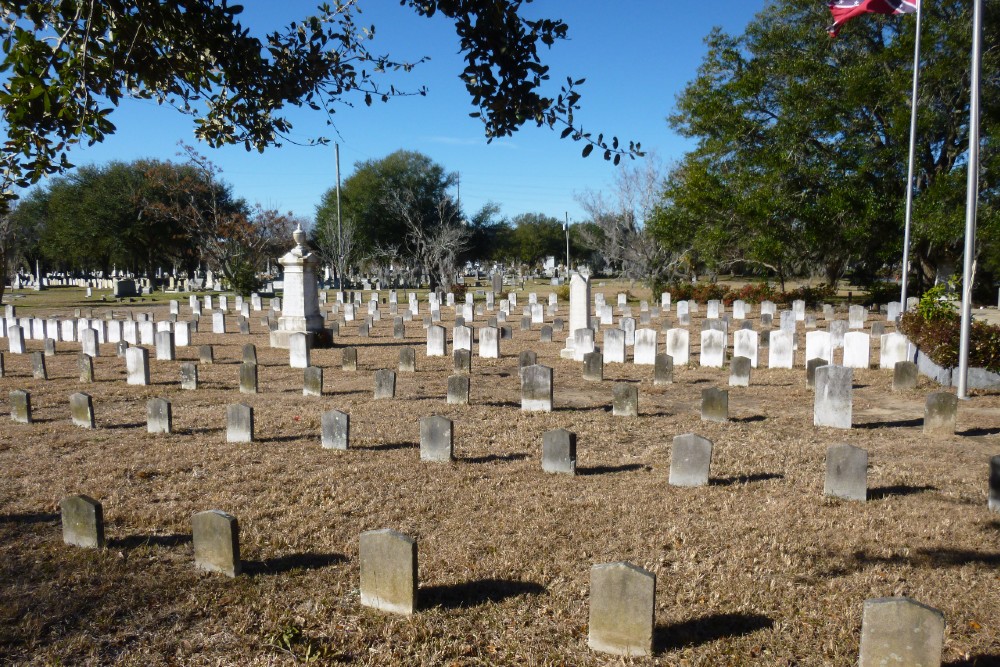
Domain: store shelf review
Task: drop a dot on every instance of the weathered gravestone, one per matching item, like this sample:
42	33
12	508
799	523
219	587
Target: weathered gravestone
165	350
189	376
206	354
462	361
622	598
745	343
248	378
904	376
546	334
780	350
437	439
458	390
663	369
593	367
298	350
407	360
20	406
82	522
137	365
819	345
857	349
216	539
679	345
38	369
900	631
714	404
81	407
559	451
625	399
690	460
239	423
739	372
893	349
811	367
437	344
526	358
713	348
940	413
336	430
536	389
159	416
312	380
388	563
614	346
85	368
644	353
834	397
846	472
385	384
349	359
50	347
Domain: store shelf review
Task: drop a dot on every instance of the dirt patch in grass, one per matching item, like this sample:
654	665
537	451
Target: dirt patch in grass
757	568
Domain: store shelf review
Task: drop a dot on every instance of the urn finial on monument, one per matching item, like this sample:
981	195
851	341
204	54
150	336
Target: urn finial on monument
300	303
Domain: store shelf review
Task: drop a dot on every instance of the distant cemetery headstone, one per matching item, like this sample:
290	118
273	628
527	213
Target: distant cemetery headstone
388	563
216	539
622	598
690	460
137	365
811	367
846	472
625	399
248	378
900	631
82	522
349	359
239	423
189	376
159	416
940	413
81	408
593	367
385	384
458	390
663	369
536	389
336	430
20	406
739	372
834	397
312	380
904	376
559	452
437	439
714	404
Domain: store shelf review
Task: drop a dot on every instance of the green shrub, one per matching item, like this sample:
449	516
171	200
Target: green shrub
244	279
459	291
562	292
939	339
880	292
934	304
752	293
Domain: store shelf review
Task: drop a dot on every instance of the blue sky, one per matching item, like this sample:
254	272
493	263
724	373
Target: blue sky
636	55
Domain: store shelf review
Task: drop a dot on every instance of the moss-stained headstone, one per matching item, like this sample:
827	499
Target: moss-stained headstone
388	571
336	430
216	538
621	609
900	631
437	442
559	451
239	423
81	408
940	413
690	460
846	472
82	522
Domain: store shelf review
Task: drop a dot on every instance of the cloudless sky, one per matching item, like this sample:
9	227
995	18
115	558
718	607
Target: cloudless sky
636	55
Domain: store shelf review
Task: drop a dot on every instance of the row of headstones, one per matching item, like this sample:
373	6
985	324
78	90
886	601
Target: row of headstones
622	595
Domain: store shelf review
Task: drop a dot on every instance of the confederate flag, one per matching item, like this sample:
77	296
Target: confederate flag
845	10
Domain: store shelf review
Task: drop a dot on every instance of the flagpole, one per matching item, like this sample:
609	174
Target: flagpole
913	153
972	196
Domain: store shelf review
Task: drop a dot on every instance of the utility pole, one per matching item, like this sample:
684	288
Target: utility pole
566	229
340	237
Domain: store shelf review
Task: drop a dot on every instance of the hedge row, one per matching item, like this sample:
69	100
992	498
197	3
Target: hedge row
939	338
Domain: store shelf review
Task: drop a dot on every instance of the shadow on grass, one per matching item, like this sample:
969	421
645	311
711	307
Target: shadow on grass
135	541
29	518
745	479
476	592
195	431
583	408
707	629
983	660
297	561
490	458
115	427
748	420
973	432
882	492
389	446
899	423
607	470
930	559
500	404
280	438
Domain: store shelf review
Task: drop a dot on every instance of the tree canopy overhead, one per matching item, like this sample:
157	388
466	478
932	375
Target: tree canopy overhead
68	63
802	143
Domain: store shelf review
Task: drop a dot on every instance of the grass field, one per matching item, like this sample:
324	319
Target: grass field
758	568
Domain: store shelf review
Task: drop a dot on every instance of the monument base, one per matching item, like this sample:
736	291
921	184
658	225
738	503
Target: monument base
317	339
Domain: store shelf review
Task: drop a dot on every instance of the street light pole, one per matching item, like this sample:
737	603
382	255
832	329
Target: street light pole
566	229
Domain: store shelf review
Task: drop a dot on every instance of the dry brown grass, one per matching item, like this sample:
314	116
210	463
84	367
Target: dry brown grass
758	568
